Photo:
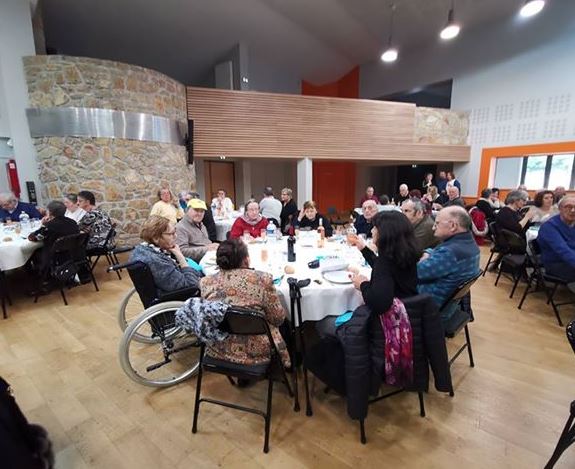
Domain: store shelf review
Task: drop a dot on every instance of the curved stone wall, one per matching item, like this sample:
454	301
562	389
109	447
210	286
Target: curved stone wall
123	174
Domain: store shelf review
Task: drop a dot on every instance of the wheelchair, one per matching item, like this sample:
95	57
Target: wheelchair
153	350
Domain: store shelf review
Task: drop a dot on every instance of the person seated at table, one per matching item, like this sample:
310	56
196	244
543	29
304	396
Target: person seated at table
544	208
394	267
369	195
453	198
558	194
556	240
270	207
414	210
222	206
442	269
494	199
11	208
54	226
163	256
183	198
96	222
251	222
167	207
363	223
403	194
208	220
484	204
309	219
191	234
289	209
238	285
510	216
385	205
73	211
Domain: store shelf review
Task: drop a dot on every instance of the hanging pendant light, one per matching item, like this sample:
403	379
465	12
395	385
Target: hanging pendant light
451	29
391	53
531	8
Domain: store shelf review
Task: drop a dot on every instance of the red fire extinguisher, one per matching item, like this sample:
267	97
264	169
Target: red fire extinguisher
13	177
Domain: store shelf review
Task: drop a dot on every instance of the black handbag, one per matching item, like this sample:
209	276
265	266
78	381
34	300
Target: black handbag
64	272
22	445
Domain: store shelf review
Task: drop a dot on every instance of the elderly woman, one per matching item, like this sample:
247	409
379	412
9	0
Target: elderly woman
544	208
73	210
163	257
251	222
309	219
289	209
510	217
239	285
167	207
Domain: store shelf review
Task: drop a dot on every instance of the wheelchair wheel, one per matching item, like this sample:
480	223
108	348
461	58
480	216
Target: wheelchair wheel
130	308
170	357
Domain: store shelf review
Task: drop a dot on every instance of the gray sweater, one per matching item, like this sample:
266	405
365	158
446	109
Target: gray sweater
193	239
168	275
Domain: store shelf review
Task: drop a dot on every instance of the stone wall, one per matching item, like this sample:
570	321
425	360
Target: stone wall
123	174
441	126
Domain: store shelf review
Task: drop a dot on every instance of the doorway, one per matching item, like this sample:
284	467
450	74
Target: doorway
219	175
333	185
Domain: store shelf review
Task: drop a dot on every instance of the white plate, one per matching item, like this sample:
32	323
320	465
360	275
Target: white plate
337	276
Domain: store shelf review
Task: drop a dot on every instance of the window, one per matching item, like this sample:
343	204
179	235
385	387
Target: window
548	171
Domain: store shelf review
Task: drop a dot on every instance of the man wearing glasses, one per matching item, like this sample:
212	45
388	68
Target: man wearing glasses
557	241
441	270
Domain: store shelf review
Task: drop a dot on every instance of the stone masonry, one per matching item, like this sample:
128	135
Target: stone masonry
125	175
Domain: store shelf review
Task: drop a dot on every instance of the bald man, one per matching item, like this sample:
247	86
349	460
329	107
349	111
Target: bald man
456	260
403	194
364	223
556	239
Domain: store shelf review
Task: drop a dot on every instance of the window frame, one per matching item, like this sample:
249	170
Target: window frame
547	173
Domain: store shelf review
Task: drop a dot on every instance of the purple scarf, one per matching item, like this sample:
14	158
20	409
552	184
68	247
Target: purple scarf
252	222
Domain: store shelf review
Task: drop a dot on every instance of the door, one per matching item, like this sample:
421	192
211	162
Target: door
333	185
219	175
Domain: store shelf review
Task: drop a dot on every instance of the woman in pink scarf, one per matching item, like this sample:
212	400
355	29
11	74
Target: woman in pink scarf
251	222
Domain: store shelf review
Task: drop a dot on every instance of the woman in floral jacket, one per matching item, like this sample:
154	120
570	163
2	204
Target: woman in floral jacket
241	286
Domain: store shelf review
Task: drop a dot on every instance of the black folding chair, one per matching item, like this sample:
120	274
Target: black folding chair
543	281
567	437
238	321
67	260
459	321
515	261
4	295
109	251
498	244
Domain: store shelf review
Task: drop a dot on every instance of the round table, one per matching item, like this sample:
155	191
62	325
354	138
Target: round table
16	252
224	224
321	298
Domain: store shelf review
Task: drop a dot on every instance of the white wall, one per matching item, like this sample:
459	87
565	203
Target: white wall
278	174
16	41
525	100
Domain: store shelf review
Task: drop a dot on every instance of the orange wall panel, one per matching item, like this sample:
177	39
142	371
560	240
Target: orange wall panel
333	185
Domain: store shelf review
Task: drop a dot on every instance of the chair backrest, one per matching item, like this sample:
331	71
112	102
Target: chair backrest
241	321
525	209
110	238
495	233
70	247
143	282
571	334
513	241
460	291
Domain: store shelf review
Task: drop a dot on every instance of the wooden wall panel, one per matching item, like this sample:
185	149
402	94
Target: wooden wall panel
252	124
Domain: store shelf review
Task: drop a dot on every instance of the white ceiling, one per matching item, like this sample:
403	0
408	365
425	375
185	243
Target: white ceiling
318	40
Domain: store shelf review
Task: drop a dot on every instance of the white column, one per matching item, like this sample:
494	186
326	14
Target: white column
304	181
17	41
246	182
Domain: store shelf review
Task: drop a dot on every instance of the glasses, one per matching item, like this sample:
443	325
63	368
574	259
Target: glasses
568	207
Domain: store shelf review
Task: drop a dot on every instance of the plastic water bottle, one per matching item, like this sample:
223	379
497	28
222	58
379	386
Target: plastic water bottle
270	231
25	222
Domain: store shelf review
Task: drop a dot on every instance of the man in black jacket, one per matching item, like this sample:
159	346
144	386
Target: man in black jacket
54	226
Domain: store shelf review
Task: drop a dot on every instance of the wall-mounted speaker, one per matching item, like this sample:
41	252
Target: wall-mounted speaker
189	142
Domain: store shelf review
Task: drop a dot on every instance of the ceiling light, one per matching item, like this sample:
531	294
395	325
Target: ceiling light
391	53
531	8
451	29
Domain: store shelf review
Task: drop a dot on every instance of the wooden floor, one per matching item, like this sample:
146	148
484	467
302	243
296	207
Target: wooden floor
508	411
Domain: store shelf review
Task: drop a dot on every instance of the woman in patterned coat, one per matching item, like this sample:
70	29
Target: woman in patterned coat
241	286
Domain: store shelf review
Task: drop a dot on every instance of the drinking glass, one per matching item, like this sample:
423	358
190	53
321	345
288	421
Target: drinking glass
264	255
263	234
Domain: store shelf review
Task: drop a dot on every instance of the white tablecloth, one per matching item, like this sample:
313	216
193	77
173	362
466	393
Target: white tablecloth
223	225
318	299
15	253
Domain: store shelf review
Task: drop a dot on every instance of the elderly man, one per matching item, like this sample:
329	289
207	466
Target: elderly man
11	208
454	199
456	260
557	241
364	222
270	207
369	195
558	194
422	223
403	194
191	234
222	206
